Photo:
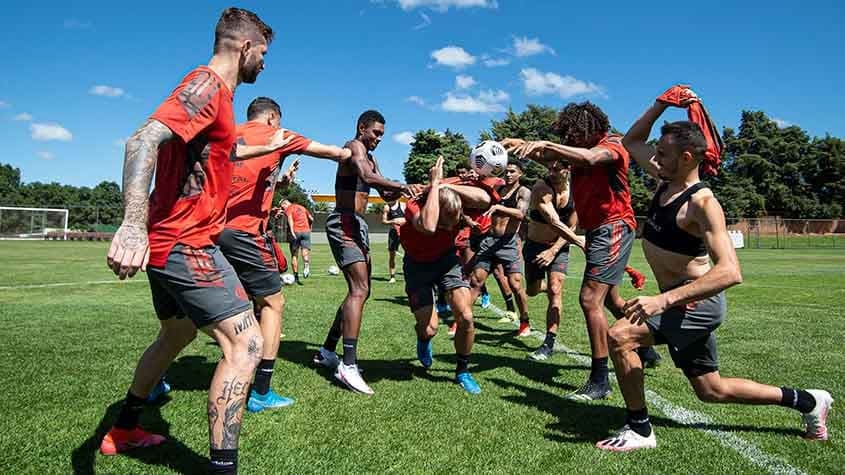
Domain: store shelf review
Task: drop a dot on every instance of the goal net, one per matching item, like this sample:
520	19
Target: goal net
33	223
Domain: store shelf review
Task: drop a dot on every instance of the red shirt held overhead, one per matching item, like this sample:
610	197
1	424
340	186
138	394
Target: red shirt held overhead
299	215
601	192
423	247
194	170
254	179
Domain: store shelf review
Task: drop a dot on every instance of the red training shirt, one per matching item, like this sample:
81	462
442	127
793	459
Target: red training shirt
601	193
193	171
423	247
299	215
254	179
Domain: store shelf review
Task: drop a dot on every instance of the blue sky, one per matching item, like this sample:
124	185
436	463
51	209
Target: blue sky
81	76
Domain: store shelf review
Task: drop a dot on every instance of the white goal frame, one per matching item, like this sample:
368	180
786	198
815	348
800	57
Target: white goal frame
34	235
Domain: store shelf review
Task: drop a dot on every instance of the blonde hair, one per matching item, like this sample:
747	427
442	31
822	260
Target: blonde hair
450	203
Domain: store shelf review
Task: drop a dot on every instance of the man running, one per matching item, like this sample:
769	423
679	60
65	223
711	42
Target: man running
551	229
603	202
685	230
188	142
350	244
431	263
393	215
501	245
247	241
299	236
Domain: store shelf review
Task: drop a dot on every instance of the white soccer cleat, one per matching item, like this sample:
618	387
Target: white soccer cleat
306	271
392	280
815	421
351	377
326	358
627	440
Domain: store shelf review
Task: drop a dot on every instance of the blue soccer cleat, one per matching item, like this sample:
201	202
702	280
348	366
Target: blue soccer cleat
485	300
468	383
271	400
161	388
424	353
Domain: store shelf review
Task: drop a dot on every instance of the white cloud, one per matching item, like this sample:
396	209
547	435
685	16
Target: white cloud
74	24
4	104
47	132
416	100
23	117
405	138
781	123
538	83
496	62
464	82
486	102
425	21
529	46
45	155
453	56
444	5
106	91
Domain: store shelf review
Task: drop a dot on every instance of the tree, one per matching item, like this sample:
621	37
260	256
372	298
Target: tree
295	194
10	183
534	123
427	146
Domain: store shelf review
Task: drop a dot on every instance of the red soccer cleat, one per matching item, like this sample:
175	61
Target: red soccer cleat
120	440
637	277
524	329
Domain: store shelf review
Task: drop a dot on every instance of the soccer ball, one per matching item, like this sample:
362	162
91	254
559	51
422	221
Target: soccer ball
489	158
333	270
287	279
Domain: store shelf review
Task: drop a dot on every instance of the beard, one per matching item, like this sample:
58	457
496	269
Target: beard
250	71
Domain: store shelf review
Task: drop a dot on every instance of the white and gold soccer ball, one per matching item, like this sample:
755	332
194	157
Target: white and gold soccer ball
489	158
287	278
333	270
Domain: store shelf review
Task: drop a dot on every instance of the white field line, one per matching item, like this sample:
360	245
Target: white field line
67	284
690	418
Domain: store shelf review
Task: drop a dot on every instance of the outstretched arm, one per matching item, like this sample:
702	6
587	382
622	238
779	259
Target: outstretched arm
635	141
547	210
544	151
279	140
369	175
522	198
426	221
330	152
471	196
130	246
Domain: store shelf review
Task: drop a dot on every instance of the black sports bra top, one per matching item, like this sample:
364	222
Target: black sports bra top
510	200
395	213
661	228
563	213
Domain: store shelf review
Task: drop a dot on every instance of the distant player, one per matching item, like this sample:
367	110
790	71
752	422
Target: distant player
393	215
685	229
551	229
350	244
300	221
501	245
188	143
247	241
432	223
603	202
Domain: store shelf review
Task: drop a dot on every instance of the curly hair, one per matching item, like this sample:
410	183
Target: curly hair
580	124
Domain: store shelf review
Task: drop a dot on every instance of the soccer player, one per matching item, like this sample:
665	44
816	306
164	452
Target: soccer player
349	240
684	232
501	246
393	215
299	237
551	229
431	225
188	142
247	241
603	202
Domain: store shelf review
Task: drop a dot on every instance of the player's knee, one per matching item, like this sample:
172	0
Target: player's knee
360	291
710	391
619	338
246	350
587	299
178	336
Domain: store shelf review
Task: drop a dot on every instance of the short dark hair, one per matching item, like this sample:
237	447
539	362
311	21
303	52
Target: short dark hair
577	122
687	135
237	23
517	163
368	118
261	105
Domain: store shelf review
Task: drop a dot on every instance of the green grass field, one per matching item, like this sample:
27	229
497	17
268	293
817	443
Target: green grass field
68	352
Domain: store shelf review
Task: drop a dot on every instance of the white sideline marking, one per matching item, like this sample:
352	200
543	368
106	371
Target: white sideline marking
67	284
690	418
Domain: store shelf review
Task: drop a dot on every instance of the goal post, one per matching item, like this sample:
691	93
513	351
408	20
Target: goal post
33	223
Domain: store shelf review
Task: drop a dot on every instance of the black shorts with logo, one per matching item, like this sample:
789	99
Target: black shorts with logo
199	284
254	260
608	249
422	279
393	242
349	238
533	272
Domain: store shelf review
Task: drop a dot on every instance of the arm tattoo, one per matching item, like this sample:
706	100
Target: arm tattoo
138	167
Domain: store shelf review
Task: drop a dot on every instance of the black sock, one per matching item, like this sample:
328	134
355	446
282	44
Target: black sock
798	399
598	373
130	412
484	290
334	333
223	461
261	384
350	351
509	303
638	422
463	364
550	339
296	276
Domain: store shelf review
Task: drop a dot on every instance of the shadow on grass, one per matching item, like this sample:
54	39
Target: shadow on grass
401	300
172	454
301	353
